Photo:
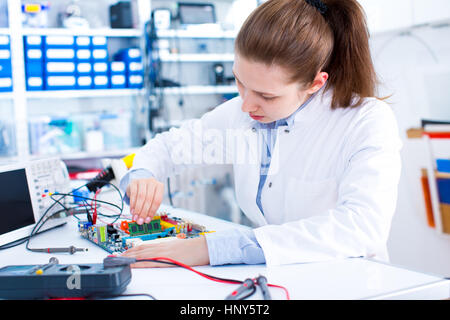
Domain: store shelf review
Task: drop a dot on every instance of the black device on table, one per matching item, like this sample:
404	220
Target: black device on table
54	280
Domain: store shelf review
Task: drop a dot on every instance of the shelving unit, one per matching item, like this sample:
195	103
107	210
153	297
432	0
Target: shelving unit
92	93
187	55
200	90
197	57
106	32
24	102
432	176
26	105
213	34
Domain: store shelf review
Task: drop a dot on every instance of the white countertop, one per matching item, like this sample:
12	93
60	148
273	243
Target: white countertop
337	279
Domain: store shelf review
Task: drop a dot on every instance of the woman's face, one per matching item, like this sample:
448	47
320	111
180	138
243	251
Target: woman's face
266	91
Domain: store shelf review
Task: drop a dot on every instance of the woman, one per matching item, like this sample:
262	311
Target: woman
317	161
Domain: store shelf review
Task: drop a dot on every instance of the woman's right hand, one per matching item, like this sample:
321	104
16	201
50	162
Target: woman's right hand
145	197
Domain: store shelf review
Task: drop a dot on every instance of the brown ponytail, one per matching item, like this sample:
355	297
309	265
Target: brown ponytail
296	35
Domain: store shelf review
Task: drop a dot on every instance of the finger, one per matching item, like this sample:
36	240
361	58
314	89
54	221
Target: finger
148	202
157	199
132	194
143	252
140	197
133	252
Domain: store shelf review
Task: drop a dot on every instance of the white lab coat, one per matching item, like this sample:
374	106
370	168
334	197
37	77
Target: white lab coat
331	190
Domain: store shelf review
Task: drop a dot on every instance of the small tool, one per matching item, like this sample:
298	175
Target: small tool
262	282
244	290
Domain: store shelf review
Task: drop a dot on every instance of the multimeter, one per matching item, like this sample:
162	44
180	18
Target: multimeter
53	280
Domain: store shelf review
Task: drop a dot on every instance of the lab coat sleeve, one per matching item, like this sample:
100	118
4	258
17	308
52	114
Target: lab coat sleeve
130	176
359	224
233	247
196	142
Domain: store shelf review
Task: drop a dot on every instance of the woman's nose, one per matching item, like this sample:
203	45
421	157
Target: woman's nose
249	104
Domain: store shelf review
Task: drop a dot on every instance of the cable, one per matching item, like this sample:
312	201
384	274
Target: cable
39	225
18	242
207	276
127	295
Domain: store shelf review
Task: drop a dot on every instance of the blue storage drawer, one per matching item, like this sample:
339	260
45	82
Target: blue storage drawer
83	55
100	82
5	68
33	42
35	83
118	81
60	82
99	55
84	69
135	81
84	82
99	42
59	42
6	84
83	42
100	68
128	55
135	67
59	55
117	67
53	68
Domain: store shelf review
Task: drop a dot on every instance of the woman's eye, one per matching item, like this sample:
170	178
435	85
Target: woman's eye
268	98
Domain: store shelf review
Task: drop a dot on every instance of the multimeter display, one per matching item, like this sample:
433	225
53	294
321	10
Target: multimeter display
16	209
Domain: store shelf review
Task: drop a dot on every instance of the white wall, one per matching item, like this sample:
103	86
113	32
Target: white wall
415	69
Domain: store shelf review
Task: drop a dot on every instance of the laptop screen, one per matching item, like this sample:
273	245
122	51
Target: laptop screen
16	209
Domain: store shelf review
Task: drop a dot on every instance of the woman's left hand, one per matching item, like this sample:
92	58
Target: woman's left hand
192	252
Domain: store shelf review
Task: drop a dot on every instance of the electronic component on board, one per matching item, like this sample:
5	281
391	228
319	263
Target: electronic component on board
119	237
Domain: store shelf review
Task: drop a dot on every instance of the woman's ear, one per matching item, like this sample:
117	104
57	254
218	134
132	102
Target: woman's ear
318	82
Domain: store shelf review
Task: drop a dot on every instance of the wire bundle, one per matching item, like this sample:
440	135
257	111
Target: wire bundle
170	261
66	210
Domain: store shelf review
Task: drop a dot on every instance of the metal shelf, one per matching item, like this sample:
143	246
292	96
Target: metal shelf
92	93
213	34
197	57
107	32
98	154
6	95
200	90
89	155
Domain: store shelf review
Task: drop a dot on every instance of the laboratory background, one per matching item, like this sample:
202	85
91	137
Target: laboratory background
91	81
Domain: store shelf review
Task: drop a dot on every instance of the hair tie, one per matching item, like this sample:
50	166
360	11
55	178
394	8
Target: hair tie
319	5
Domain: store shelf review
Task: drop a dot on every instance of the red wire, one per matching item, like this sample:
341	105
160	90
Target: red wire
94	215
215	279
281	287
193	270
438	135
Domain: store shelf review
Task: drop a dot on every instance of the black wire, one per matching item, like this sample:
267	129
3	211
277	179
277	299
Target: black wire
18	242
34	231
127	295
177	265
205	274
88	198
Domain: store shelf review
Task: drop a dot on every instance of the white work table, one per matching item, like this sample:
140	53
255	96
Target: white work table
336	280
